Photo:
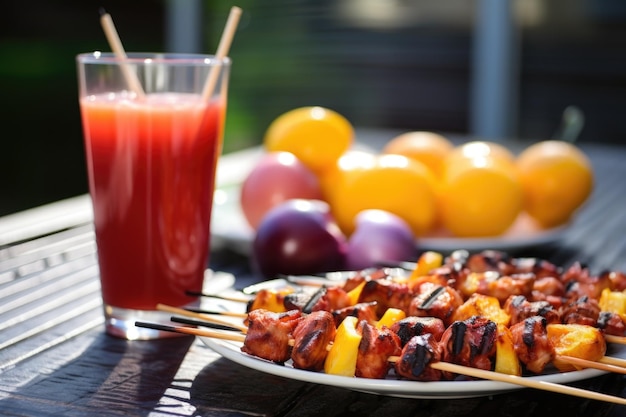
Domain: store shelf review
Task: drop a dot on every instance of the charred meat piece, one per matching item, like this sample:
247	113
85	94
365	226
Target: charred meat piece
616	278
539	267
611	323
333	299
415	357
494	284
324	298
416	326
368	274
530	338
584	310
548	289
387	294
311	339
435	301
514	284
443	275
470	342
362	311
488	260
269	334
519	309
579	282
376	346
297	300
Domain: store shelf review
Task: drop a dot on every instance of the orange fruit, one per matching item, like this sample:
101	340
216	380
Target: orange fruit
394	183
347	165
557	178
429	148
479	148
317	136
480	196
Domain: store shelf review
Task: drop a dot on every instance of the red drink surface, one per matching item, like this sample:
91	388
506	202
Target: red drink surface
151	177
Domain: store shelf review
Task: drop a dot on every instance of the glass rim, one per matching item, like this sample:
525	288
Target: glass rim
169	58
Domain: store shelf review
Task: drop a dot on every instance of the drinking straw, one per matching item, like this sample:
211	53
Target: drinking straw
118	50
222	50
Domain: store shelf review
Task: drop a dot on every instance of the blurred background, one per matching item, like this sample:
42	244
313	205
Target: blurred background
489	69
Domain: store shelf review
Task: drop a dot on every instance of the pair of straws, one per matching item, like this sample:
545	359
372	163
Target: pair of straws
131	78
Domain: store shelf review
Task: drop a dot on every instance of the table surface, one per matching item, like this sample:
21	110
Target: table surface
55	358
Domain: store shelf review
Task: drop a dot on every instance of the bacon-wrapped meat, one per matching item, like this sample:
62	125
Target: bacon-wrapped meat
269	334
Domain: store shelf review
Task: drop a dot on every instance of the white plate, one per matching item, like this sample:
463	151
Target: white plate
229	228
391	386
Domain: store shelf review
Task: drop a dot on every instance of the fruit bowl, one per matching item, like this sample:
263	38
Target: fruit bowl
230	229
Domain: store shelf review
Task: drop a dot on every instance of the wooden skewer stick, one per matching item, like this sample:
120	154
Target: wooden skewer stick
604	364
621	340
613	361
242	299
442	366
526	382
216	312
203	323
205	317
235	337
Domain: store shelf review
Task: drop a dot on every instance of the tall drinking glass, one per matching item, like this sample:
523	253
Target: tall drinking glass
152	147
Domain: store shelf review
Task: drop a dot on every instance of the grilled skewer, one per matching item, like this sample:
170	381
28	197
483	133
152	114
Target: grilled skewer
441	366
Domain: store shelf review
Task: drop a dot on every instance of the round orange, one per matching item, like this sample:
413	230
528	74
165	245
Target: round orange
557	178
480	196
394	183
479	149
346	166
429	148
317	136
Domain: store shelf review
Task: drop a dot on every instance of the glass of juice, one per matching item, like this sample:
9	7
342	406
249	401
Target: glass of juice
153	133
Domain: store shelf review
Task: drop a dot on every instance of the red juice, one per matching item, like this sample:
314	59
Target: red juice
151	170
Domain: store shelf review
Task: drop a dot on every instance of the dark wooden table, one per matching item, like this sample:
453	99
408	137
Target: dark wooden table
56	360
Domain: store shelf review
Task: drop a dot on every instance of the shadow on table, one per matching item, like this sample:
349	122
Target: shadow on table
225	388
111	377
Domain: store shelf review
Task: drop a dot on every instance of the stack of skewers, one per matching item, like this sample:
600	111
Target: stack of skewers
485	315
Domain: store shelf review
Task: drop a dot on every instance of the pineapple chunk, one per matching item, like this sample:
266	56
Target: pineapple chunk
427	261
482	305
391	316
614	302
506	358
341	359
577	340
271	300
355	293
